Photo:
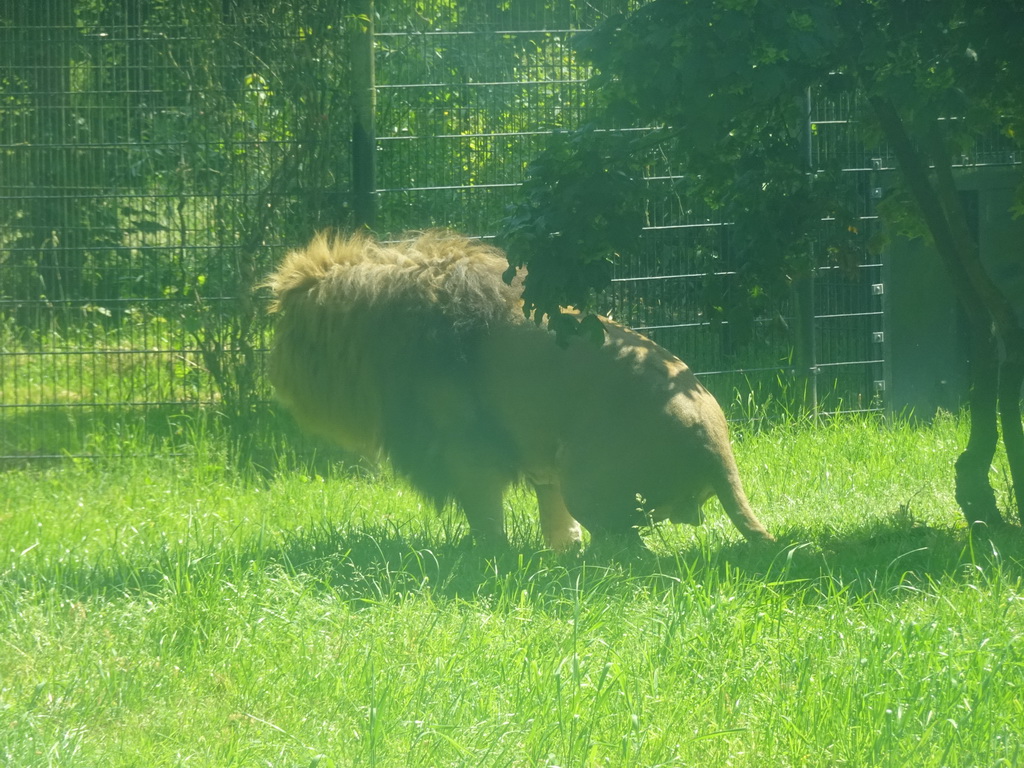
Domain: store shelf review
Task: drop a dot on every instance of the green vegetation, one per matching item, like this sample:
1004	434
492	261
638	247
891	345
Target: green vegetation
166	612
733	89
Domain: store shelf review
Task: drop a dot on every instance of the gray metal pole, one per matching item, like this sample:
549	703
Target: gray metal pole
364	104
807	348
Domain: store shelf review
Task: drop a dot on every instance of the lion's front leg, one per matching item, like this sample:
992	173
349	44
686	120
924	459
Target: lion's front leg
482	505
478	487
561	531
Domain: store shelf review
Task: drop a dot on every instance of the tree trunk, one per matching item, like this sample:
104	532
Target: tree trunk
982	301
1011	379
1009	338
974	492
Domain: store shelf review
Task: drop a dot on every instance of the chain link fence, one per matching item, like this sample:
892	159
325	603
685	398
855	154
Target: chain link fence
157	158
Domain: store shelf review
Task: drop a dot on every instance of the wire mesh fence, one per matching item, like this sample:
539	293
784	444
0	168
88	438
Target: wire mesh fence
156	158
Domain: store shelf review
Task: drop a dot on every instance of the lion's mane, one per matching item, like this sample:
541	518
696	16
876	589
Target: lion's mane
375	344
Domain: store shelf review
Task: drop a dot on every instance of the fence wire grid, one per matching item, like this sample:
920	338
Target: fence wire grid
157	158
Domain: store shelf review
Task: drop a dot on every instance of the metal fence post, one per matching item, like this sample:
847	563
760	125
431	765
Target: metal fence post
364	132
806	346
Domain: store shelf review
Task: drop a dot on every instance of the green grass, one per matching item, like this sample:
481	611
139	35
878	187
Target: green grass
159	612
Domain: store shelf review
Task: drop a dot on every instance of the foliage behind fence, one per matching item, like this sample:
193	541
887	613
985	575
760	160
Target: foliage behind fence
156	158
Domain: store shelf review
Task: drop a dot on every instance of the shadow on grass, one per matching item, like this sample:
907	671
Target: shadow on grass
265	443
882	555
382	564
376	565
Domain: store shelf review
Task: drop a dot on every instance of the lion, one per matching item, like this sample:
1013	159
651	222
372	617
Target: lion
421	352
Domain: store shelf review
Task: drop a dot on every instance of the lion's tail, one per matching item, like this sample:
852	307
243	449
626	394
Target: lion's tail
729	490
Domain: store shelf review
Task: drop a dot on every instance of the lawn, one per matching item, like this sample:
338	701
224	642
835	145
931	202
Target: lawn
176	612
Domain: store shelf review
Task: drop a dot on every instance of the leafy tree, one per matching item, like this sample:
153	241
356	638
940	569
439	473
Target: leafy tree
164	148
45	229
727	82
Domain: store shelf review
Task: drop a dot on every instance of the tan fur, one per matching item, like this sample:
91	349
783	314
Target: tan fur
420	351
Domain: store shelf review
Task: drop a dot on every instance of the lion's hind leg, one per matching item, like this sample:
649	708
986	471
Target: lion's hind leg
596	494
561	531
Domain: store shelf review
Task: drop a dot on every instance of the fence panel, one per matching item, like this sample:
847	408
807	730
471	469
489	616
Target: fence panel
156	158
467	104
